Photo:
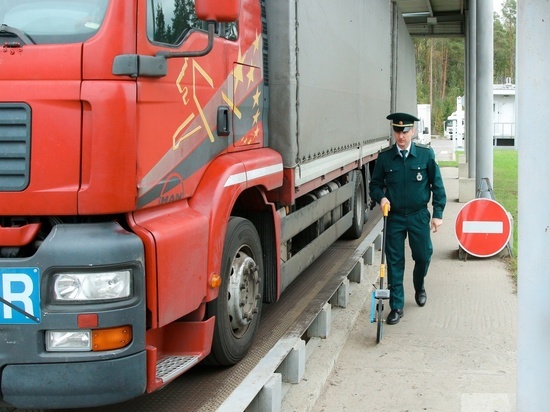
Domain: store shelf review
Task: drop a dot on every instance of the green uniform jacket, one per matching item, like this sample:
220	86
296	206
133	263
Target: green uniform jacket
409	184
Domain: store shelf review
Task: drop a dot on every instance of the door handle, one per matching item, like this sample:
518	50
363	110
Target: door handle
223	121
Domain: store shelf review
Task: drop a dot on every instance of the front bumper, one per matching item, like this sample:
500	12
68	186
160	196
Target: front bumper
74	384
32	377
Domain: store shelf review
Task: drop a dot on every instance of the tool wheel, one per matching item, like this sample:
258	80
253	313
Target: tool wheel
379	321
238	306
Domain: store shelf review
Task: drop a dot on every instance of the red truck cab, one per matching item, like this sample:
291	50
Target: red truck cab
166	167
124	125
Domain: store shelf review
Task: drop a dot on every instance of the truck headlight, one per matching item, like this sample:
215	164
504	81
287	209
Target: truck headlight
81	287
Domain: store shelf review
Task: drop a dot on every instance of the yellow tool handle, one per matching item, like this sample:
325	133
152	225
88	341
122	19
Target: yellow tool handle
382	270
386	209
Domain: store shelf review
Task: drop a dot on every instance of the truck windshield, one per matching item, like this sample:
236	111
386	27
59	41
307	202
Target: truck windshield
48	22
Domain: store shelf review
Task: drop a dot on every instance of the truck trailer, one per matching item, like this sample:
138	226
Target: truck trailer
167	167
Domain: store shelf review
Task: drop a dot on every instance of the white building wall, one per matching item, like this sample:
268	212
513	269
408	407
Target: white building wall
504	117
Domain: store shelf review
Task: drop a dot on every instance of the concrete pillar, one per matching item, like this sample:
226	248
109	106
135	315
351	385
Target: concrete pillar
341	298
270	398
471	88
532	102
484	93
378	241
369	255
292	369
357	274
320	327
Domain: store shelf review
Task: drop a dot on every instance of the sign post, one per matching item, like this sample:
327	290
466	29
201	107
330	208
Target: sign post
482	227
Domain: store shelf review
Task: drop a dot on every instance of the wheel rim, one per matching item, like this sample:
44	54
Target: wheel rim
243	291
359	206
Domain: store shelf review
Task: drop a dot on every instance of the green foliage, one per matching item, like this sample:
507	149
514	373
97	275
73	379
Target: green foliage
440	76
505	187
505	42
184	19
505	172
440	65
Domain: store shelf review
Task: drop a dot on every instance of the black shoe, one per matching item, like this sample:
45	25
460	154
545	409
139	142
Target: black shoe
394	316
421	297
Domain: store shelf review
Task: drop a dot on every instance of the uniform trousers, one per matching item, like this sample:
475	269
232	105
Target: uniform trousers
417	227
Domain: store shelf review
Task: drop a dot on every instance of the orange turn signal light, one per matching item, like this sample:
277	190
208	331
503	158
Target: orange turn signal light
215	281
111	338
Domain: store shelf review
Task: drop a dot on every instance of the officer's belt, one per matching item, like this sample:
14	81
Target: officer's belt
408	214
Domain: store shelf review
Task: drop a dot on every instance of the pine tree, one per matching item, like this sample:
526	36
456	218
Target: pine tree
184	19
160	25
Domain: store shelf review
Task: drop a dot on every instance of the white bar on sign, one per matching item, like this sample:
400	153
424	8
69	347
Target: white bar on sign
482	227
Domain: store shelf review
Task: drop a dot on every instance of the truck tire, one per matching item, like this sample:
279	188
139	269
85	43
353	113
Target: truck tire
368	200
358	208
238	306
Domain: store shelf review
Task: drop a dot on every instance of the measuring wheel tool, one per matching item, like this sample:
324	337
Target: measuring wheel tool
380	293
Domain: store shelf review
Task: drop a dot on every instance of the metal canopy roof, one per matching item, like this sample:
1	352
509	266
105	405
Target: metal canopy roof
434	18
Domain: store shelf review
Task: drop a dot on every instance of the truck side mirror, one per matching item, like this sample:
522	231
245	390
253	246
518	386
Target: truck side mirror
215	10
211	11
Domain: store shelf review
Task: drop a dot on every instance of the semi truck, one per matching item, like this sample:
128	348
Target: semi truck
169	166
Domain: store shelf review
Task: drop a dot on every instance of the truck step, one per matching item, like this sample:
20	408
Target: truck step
172	366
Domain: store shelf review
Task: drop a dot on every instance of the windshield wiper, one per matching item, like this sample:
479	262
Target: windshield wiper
26	314
4	28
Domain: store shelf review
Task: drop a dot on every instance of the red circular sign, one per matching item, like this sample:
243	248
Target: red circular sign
482	227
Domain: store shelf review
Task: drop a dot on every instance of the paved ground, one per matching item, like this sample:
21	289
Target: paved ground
458	353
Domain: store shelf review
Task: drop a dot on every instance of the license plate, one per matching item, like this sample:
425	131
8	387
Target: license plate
19	296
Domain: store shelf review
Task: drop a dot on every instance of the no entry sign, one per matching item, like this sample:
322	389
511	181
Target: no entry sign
482	227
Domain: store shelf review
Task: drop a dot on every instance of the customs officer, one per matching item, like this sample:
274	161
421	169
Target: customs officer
406	176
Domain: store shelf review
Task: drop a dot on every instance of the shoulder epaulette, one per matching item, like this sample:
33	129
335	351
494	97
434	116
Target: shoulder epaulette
423	146
386	149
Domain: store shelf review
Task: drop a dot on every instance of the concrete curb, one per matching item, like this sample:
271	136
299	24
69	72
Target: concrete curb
322	354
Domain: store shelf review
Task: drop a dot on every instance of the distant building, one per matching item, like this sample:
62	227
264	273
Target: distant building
504	117
504	114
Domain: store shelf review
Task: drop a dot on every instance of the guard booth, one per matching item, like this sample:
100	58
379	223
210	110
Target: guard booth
504	114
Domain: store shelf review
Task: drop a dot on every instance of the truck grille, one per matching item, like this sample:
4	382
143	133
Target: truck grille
15	150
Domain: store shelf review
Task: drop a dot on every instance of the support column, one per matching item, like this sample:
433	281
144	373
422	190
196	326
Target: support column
532	102
471	52
484	93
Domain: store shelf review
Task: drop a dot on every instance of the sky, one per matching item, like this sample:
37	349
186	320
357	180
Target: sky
497	5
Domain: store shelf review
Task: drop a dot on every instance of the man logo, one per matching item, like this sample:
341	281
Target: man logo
172	189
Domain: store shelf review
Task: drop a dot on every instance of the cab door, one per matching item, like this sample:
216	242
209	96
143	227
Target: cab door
183	123
183	117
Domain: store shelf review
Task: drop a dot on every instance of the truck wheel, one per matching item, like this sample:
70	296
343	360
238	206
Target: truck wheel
369	200
238	306
358	208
